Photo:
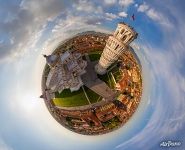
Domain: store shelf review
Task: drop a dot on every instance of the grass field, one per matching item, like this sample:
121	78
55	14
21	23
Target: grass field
107	78
117	75
93	97
94	56
71	99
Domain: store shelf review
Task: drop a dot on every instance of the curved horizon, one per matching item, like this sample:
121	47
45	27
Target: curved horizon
32	28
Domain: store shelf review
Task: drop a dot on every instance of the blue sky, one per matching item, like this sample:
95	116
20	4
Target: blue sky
31	28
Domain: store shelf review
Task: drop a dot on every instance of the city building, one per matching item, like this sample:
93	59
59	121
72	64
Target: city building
51	59
67	72
88	43
115	46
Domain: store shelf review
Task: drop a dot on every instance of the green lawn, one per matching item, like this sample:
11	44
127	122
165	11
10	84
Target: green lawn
107	78
94	56
70	99
93	97
77	98
117	75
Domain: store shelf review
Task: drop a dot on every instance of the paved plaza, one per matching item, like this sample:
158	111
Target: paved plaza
91	80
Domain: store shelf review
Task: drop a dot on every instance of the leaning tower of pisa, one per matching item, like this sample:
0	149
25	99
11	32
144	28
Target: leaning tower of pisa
115	46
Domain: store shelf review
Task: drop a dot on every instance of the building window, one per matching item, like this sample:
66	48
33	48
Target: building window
124	37
116	47
122	31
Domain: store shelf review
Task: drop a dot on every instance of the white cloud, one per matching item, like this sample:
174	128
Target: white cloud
10	17
88	7
98	23
155	15
169	112
123	14
126	3
136	5
43	10
4	146
12	40
111	16
110	2
1	42
143	7
24	29
72	25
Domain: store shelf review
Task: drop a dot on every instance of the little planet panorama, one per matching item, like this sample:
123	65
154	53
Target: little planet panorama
92	82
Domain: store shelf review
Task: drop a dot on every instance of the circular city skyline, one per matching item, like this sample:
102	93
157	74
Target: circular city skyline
104	102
